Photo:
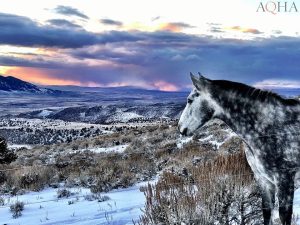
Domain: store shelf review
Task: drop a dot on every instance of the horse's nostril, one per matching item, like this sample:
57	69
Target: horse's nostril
184	131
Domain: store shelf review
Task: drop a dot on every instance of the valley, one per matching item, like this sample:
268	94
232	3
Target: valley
99	147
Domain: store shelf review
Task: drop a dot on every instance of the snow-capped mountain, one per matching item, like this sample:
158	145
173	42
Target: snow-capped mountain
14	85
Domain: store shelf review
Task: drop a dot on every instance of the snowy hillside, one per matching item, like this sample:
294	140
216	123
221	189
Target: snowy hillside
113	113
13	85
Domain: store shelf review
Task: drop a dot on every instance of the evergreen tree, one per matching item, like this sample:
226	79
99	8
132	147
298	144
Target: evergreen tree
6	156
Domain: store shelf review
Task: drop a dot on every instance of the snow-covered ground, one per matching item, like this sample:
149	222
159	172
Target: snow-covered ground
16	123
16	146
297	205
124	206
118	149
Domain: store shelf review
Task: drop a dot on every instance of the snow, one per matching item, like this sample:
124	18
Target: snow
118	148
183	141
296	206
16	146
44	113
124	206
45	123
126	116
213	141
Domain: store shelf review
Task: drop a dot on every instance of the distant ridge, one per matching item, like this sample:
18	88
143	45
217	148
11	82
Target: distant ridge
75	88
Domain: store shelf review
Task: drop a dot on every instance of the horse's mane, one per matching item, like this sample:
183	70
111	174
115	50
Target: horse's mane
254	93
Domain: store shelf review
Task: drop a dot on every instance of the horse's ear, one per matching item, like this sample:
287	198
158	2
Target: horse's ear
200	82
194	79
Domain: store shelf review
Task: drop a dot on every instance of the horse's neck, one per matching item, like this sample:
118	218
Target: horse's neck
246	116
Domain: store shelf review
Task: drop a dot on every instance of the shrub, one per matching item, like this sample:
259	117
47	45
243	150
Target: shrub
6	156
63	193
217	192
2	201
32	178
98	197
29	179
17	209
3	177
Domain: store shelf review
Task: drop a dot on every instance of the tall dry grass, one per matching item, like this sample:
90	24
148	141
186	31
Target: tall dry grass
221	191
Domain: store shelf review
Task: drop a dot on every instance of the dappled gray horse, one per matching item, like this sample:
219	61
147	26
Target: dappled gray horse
267	123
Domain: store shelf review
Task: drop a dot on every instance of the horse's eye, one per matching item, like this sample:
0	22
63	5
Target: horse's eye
190	101
197	94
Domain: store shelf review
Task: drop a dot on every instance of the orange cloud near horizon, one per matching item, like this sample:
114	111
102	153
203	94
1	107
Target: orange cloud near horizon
165	86
43	77
33	75
170	27
244	29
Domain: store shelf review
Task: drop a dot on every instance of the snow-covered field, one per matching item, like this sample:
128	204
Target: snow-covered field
44	123
111	149
16	146
124	206
118	149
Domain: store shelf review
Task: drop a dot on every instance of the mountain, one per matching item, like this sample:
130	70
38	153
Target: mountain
14	85
113	113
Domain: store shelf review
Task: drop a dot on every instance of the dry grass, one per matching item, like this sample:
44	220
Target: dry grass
197	185
219	191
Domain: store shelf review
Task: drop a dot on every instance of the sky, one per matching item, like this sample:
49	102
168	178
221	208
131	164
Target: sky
150	44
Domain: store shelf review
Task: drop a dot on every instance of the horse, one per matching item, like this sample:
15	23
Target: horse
267	122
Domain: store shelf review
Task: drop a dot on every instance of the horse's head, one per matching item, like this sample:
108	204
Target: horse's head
200	107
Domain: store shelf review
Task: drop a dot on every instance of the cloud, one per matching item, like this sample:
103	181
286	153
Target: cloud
276	32
62	23
36	61
277	83
175	27
160	59
69	11
155	18
22	31
111	22
169	57
164	86
215	29
245	30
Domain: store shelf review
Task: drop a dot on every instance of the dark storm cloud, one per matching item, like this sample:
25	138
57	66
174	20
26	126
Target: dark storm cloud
63	23
69	11
39	62
111	22
22	31
174	56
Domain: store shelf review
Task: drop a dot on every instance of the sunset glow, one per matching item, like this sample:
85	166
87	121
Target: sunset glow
36	76
152	45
